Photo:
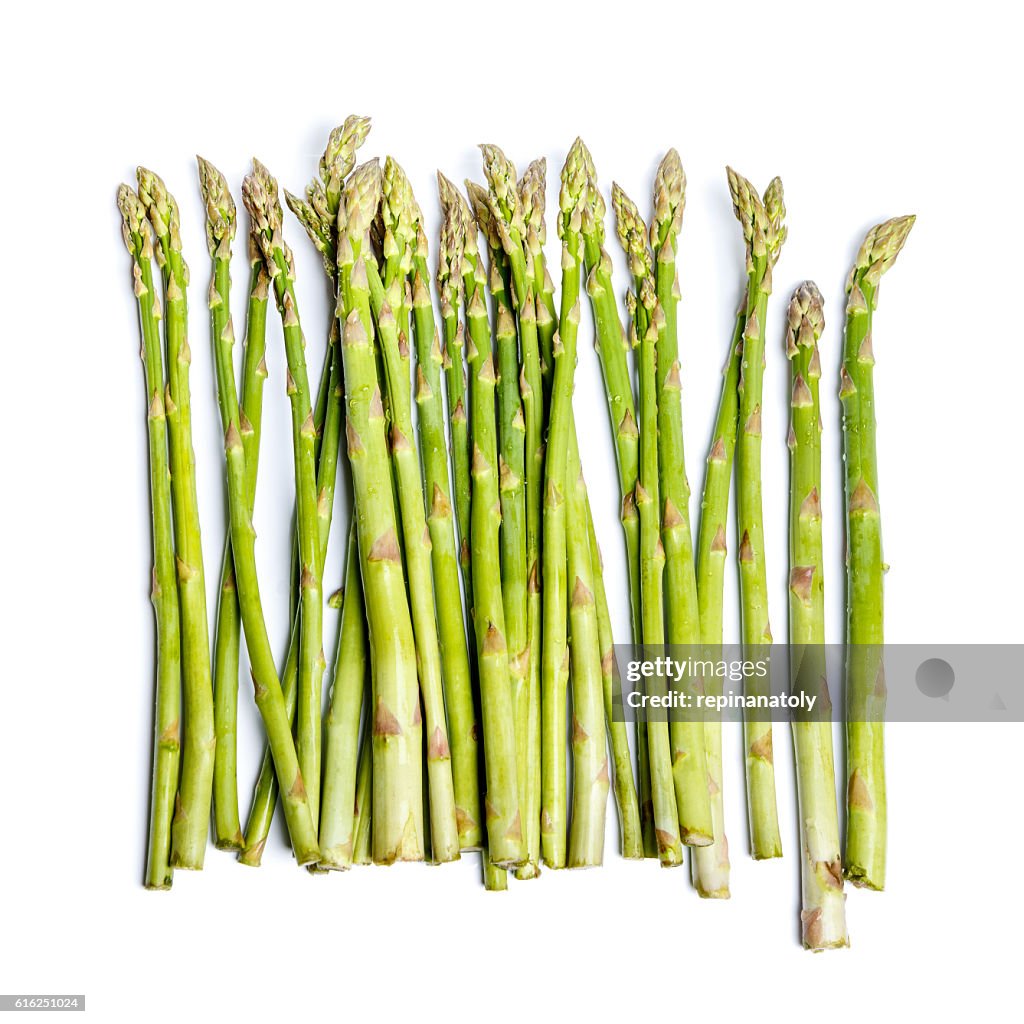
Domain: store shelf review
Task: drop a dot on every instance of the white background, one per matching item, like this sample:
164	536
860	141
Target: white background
866	111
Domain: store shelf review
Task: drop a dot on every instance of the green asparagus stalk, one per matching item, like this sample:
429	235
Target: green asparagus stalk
341	724
532	189
318	215
458	685
764	235
623	782
220	233
710	864
555	652
517	212
504	821
455	235
405	459
823	913
397	808
269	697
456	270
689	761
138	239
611	349
865	675
632	234
191	822
265	209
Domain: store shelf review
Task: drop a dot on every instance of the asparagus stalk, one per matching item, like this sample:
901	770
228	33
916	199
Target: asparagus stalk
318	216
455	236
517	212
764	235
632	234
504	821
689	761
269	697
458	686
456	280
865	676
341	724
710	865
397	808
265	210
823	913
191	821
611	349
138	239
220	233
405	458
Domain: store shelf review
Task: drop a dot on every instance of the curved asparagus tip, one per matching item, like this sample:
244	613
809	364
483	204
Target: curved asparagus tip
669	199
775	211
532	188
455	207
500	173
399	213
805	318
487	215
451	244
594	206
134	225
316	228
340	155
220	207
362	197
882	244
574	188
260	198
632	232
161	208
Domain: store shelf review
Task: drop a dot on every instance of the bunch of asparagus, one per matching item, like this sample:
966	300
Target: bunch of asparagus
474	635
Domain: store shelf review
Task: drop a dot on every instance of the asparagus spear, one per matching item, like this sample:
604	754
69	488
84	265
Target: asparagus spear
632	234
405	459
823	914
458	687
265	209
689	761
454	238
269	697
517	211
504	821
397	725
220	232
611	349
865	677
318	215
764	235
710	865
138	239
456	279
191	821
